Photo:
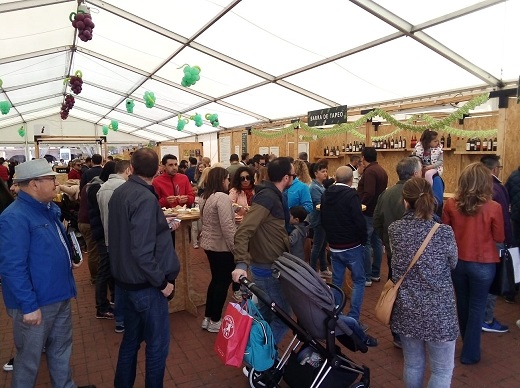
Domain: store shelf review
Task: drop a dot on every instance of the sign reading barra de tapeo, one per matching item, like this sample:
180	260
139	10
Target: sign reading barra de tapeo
327	116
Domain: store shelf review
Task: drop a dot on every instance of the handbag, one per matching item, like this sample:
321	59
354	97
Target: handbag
504	281
385	303
260	351
233	335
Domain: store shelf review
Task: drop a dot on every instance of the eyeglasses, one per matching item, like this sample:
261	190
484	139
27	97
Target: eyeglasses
245	178
49	178
293	175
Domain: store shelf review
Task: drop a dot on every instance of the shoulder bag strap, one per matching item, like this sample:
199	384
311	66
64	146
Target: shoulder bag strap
419	251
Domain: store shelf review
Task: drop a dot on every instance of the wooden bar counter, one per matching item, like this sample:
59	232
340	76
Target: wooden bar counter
185	297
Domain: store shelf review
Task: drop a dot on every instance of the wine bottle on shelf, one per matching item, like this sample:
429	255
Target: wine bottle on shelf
343	147
324	151
400	143
484	144
468	145
403	144
490	144
413	142
442	141
392	143
327	152
479	144
495	144
448	141
337	151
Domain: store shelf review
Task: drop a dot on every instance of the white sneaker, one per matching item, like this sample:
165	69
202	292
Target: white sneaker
8	366
368	283
214	327
205	323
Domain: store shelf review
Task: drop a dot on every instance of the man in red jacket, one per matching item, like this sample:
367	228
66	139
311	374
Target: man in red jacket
171	187
4	173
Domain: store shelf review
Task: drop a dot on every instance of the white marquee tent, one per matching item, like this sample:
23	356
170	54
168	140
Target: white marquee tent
260	60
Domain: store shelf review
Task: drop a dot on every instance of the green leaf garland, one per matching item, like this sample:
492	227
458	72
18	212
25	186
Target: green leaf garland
431	123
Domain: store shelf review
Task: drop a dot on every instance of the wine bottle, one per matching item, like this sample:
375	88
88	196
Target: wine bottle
468	145
343	147
448	141
404	143
495	144
477	148
442	141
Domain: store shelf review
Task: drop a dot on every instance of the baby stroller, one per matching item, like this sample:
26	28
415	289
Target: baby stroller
312	359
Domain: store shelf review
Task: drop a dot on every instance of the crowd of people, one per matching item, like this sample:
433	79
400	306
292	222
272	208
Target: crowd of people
250	214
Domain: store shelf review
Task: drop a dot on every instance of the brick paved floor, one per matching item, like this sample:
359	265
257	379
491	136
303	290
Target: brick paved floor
192	362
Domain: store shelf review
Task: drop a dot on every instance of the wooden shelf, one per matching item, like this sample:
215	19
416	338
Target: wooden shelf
327	157
444	149
475	152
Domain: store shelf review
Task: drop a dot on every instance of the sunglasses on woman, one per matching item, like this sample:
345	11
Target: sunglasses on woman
245	178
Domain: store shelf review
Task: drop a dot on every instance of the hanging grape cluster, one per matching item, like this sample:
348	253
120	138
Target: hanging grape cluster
66	106
213	119
83	22
76	82
191	75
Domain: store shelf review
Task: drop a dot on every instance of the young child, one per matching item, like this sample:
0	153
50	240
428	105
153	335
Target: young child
429	151
299	233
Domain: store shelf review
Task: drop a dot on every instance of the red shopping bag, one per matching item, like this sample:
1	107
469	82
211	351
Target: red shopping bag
233	335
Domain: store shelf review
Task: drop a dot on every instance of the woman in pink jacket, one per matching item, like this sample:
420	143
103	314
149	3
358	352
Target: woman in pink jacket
242	191
217	240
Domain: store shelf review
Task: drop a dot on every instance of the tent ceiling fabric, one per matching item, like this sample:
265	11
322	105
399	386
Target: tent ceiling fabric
261	61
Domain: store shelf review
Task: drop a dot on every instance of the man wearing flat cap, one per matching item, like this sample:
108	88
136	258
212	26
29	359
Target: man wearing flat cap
37	283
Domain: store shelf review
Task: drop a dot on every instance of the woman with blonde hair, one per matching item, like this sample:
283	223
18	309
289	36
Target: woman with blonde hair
198	171
201	183
302	171
261	175
426	288
478	225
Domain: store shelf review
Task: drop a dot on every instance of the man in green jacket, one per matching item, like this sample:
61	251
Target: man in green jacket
261	238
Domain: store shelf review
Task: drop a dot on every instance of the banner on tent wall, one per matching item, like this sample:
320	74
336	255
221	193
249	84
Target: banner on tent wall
244	142
225	149
329	116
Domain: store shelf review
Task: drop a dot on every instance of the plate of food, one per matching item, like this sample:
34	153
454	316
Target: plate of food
169	212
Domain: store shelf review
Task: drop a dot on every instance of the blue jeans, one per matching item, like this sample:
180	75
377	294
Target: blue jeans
492	299
319	243
271	286
375	245
146	319
119	308
54	333
471	282
353	260
441	356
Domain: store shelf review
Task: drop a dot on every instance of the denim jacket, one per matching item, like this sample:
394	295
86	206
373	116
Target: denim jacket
35	262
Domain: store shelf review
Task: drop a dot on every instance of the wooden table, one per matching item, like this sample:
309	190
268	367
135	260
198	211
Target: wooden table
185	297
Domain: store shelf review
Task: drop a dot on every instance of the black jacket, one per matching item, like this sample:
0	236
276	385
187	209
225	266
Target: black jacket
342	218
141	248
94	215
87	176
